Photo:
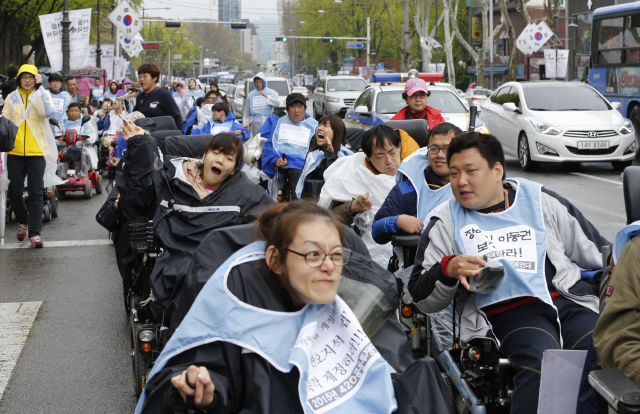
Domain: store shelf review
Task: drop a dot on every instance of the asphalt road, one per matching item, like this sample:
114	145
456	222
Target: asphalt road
75	356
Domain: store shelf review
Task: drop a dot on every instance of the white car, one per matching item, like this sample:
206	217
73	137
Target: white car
301	89
476	97
559	122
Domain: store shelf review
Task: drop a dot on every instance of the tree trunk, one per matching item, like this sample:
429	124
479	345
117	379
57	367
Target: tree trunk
405	51
448	44
504	15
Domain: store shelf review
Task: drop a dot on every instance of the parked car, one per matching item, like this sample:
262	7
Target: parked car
476	97
335	94
280	85
559	122
301	89
377	104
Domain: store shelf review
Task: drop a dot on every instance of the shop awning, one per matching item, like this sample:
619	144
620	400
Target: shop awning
497	70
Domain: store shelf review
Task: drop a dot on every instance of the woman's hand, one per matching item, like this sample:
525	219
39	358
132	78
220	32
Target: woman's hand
263	93
195	382
117	201
410	224
38	78
114	161
281	162
324	143
463	266
129	129
361	204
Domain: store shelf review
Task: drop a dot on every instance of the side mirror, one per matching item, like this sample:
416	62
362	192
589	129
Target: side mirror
54	122
241	94
85	119
362	110
320	89
511	107
616	105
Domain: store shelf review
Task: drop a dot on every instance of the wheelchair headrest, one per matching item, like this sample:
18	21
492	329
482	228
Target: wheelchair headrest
354	138
416	128
160	123
631	190
191	146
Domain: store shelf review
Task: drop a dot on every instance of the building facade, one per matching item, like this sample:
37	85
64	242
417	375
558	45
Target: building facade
268	29
250	41
229	11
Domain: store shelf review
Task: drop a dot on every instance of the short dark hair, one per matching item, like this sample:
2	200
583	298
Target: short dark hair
377	136
199	101
228	144
488	145
73	105
12	72
444	128
220	106
70	77
153	70
210	93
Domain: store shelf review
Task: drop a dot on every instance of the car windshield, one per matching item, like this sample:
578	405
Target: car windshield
342	85
579	98
392	102
482	92
282	87
225	86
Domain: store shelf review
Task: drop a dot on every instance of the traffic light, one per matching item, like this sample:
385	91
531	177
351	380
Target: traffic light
260	65
238	25
150	46
281	38
172	24
327	39
274	64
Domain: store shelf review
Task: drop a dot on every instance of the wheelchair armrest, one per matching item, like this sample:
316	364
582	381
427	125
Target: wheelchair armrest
619	391
409	240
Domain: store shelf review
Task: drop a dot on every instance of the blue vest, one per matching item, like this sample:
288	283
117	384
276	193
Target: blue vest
340	369
60	103
258	104
97	92
192	96
293	138
77	125
220	127
515	237
313	161
413	168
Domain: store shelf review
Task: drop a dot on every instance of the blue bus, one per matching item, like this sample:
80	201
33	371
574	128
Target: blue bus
615	57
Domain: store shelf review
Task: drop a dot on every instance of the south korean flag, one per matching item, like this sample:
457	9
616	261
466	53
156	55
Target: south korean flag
126	20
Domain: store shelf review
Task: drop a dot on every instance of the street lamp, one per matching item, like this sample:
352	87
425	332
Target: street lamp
321	42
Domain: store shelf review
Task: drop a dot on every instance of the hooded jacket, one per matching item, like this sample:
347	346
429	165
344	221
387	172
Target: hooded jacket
108	94
273	100
145	193
189	98
30	110
433	116
122	90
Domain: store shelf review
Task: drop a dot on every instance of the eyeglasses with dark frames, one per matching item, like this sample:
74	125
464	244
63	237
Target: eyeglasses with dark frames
316	258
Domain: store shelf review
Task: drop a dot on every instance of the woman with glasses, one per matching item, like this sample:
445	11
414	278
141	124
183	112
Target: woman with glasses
416	95
268	333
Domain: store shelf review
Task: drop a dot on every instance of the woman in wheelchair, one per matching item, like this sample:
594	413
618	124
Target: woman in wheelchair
269	333
326	147
193	197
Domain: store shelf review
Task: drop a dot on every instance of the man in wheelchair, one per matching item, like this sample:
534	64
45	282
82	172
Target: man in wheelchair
534	242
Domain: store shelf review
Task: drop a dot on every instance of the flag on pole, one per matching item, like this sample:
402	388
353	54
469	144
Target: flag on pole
427	43
539	35
126	20
132	47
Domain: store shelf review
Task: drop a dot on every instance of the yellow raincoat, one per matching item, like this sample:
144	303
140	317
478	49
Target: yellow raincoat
30	111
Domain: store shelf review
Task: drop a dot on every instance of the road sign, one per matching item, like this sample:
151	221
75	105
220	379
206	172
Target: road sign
286	65
380	65
177	56
355	45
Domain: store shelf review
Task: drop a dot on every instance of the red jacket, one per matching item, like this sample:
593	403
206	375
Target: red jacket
433	116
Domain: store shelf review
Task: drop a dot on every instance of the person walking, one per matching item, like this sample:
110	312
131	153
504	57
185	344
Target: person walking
9	85
154	101
35	153
260	104
76	97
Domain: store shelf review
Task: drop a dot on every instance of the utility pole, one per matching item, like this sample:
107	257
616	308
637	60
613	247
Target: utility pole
98	51
368	40
490	46
170	63
321	46
65	38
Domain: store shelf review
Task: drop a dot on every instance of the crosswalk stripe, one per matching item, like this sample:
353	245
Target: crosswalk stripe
66	243
16	320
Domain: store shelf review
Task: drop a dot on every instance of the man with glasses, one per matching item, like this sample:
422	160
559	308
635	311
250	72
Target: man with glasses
424	185
416	95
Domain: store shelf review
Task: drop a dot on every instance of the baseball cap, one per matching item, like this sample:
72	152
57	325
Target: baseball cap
296	97
415	85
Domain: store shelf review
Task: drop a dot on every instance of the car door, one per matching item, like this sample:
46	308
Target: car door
491	110
352	118
319	95
511	122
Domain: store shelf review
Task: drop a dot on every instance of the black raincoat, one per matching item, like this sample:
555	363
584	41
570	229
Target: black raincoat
147	192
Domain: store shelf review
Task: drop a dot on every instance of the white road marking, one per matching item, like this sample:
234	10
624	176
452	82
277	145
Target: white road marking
66	243
16	320
593	177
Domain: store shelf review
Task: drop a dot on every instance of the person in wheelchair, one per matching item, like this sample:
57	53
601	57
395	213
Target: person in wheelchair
416	95
222	121
288	140
356	186
73	120
424	186
203	195
542	241
300	344
326	147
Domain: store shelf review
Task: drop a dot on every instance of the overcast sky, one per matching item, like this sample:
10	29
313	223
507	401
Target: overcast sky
197	9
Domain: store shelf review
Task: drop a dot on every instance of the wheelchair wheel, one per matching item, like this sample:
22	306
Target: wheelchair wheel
99	187
54	203
47	213
88	191
137	363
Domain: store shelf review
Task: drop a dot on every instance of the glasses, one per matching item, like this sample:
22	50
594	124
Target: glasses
417	96
435	149
28	77
316	259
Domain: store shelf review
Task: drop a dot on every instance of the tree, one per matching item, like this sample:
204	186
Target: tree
405	49
511	75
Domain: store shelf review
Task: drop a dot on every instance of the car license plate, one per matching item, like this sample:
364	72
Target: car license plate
593	145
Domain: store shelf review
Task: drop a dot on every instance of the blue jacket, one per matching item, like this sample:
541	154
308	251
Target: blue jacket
191	118
235	126
401	200
270	154
104	123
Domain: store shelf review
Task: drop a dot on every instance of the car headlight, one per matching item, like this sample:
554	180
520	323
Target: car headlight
626	128
330	99
543	128
483	130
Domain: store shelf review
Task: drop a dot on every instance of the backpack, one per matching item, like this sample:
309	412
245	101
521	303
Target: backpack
8	132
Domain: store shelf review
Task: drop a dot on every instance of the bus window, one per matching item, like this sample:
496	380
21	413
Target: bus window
610	36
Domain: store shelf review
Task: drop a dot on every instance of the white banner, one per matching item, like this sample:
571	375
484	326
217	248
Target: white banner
126	20
79	33
118	73
562	61
106	58
550	63
437	67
